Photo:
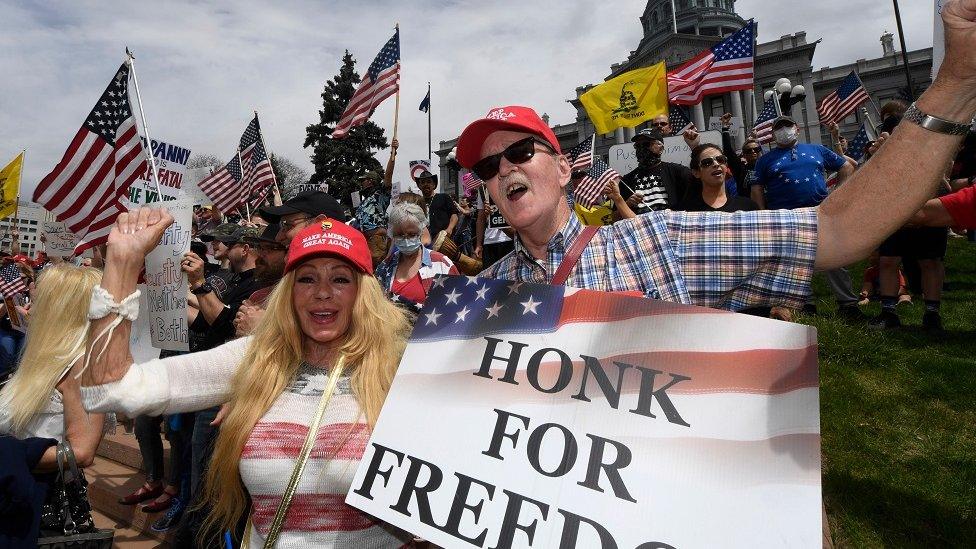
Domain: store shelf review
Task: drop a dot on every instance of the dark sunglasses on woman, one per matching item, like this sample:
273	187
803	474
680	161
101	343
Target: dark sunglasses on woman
751	150
519	152
712	160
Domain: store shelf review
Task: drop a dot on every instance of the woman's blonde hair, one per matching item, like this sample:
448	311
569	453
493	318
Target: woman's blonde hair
372	347
58	321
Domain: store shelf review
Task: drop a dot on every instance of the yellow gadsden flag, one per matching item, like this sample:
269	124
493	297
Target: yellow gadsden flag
628	99
10	185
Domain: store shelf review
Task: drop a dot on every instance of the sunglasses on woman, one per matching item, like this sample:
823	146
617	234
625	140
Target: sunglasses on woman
710	161
519	152
751	150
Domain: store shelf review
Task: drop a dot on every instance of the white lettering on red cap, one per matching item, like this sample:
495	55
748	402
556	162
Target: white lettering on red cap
499	114
332	239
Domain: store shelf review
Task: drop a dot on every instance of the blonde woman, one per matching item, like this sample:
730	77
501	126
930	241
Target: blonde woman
42	392
327	315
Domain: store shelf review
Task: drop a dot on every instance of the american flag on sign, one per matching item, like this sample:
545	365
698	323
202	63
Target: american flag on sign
843	101
106	155
764	124
470	182
589	190
726	66
418	167
735	423
857	148
381	81
581	156
231	186
678	118
11	280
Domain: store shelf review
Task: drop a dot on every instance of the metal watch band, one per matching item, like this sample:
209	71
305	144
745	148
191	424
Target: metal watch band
934	123
204	288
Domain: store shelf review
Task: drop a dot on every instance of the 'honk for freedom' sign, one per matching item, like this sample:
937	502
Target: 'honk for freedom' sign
538	416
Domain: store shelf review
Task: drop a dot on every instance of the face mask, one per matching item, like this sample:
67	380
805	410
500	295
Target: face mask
646	156
785	136
407	245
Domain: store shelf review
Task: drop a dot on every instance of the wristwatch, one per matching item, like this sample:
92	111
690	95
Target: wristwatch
934	123
204	288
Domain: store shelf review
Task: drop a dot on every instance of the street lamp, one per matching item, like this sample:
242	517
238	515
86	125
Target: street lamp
452	170
788	95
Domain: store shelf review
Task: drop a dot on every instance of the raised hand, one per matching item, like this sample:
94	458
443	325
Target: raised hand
137	232
959	66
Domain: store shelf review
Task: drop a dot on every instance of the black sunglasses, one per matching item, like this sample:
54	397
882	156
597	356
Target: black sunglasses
712	160
660	124
519	152
753	150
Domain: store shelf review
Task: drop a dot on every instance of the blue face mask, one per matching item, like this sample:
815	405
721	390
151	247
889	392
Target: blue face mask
407	245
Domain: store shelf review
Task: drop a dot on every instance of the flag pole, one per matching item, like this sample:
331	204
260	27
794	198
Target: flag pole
247	207
145	127
396	110
20	183
274	179
430	142
674	17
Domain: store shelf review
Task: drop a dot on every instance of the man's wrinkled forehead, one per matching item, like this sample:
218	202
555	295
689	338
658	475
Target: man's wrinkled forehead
497	141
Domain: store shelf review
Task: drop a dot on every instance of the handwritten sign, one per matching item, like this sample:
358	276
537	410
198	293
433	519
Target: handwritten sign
60	242
170	169
166	285
623	159
527	415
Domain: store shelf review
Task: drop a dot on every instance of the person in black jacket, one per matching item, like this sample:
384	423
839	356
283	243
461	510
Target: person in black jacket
654	184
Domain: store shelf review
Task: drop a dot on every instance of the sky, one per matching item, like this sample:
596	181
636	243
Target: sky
204	67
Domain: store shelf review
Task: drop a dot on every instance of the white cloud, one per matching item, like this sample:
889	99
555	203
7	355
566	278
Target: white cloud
204	66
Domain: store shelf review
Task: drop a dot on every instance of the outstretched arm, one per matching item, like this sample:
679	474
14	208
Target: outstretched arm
884	193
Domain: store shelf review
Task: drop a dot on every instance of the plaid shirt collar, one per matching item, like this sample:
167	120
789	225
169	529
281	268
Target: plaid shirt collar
555	250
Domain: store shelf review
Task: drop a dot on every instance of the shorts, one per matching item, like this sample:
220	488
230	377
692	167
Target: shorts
916	243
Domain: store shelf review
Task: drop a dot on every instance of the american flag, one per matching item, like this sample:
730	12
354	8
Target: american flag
581	156
726	66
589	189
764	124
740	417
381	81
843	101
678	118
11	280
418	167
470	182
229	187
857	148
104	158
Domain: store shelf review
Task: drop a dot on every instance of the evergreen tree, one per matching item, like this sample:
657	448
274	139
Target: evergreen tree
341	162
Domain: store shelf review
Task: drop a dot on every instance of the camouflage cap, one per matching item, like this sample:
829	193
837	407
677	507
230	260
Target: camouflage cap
220	231
372	175
240	233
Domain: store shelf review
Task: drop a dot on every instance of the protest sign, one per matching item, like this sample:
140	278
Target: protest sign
59	240
540	416
715	123
170	168
623	159
139	339
166	285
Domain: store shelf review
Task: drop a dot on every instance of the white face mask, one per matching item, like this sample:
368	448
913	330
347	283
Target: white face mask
407	245
785	136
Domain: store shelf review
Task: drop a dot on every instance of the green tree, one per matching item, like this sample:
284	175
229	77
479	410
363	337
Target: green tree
340	162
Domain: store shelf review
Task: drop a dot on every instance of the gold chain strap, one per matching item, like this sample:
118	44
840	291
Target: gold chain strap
296	474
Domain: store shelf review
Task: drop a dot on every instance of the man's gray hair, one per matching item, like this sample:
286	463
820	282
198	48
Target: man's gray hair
405	211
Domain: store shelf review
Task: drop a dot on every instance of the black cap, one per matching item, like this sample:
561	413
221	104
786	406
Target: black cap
648	133
783	121
309	202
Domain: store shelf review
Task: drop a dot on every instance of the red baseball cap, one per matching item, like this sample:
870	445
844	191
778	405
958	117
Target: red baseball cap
330	237
512	118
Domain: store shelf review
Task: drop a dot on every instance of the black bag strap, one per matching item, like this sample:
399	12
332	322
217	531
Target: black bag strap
66	459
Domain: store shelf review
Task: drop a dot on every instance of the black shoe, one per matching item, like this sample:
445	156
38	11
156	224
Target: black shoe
884	321
932	322
809	309
171	518
850	313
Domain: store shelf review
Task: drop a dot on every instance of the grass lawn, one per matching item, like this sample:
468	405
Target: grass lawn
898	417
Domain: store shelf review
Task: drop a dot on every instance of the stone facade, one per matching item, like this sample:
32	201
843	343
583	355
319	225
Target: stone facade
702	23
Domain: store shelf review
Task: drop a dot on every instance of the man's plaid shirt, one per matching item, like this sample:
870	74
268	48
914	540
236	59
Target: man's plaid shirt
725	261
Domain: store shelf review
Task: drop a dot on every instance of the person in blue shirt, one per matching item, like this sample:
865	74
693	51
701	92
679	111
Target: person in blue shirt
794	175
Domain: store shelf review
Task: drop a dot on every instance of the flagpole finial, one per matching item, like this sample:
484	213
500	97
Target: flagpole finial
128	53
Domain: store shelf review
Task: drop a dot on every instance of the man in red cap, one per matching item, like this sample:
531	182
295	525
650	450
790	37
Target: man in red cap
736	261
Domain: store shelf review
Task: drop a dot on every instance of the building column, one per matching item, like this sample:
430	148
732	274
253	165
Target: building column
629	134
813	119
749	108
698	116
618	136
740	135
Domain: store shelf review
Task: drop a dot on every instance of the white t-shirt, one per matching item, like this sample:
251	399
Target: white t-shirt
492	236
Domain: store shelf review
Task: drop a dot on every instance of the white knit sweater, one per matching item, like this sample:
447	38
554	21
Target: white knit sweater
318	516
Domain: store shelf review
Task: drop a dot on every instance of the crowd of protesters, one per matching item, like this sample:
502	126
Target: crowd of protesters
309	297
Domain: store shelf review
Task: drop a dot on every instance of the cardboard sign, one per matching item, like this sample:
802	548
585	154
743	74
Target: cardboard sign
538	416
623	159
715	123
166	284
59	240
170	168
